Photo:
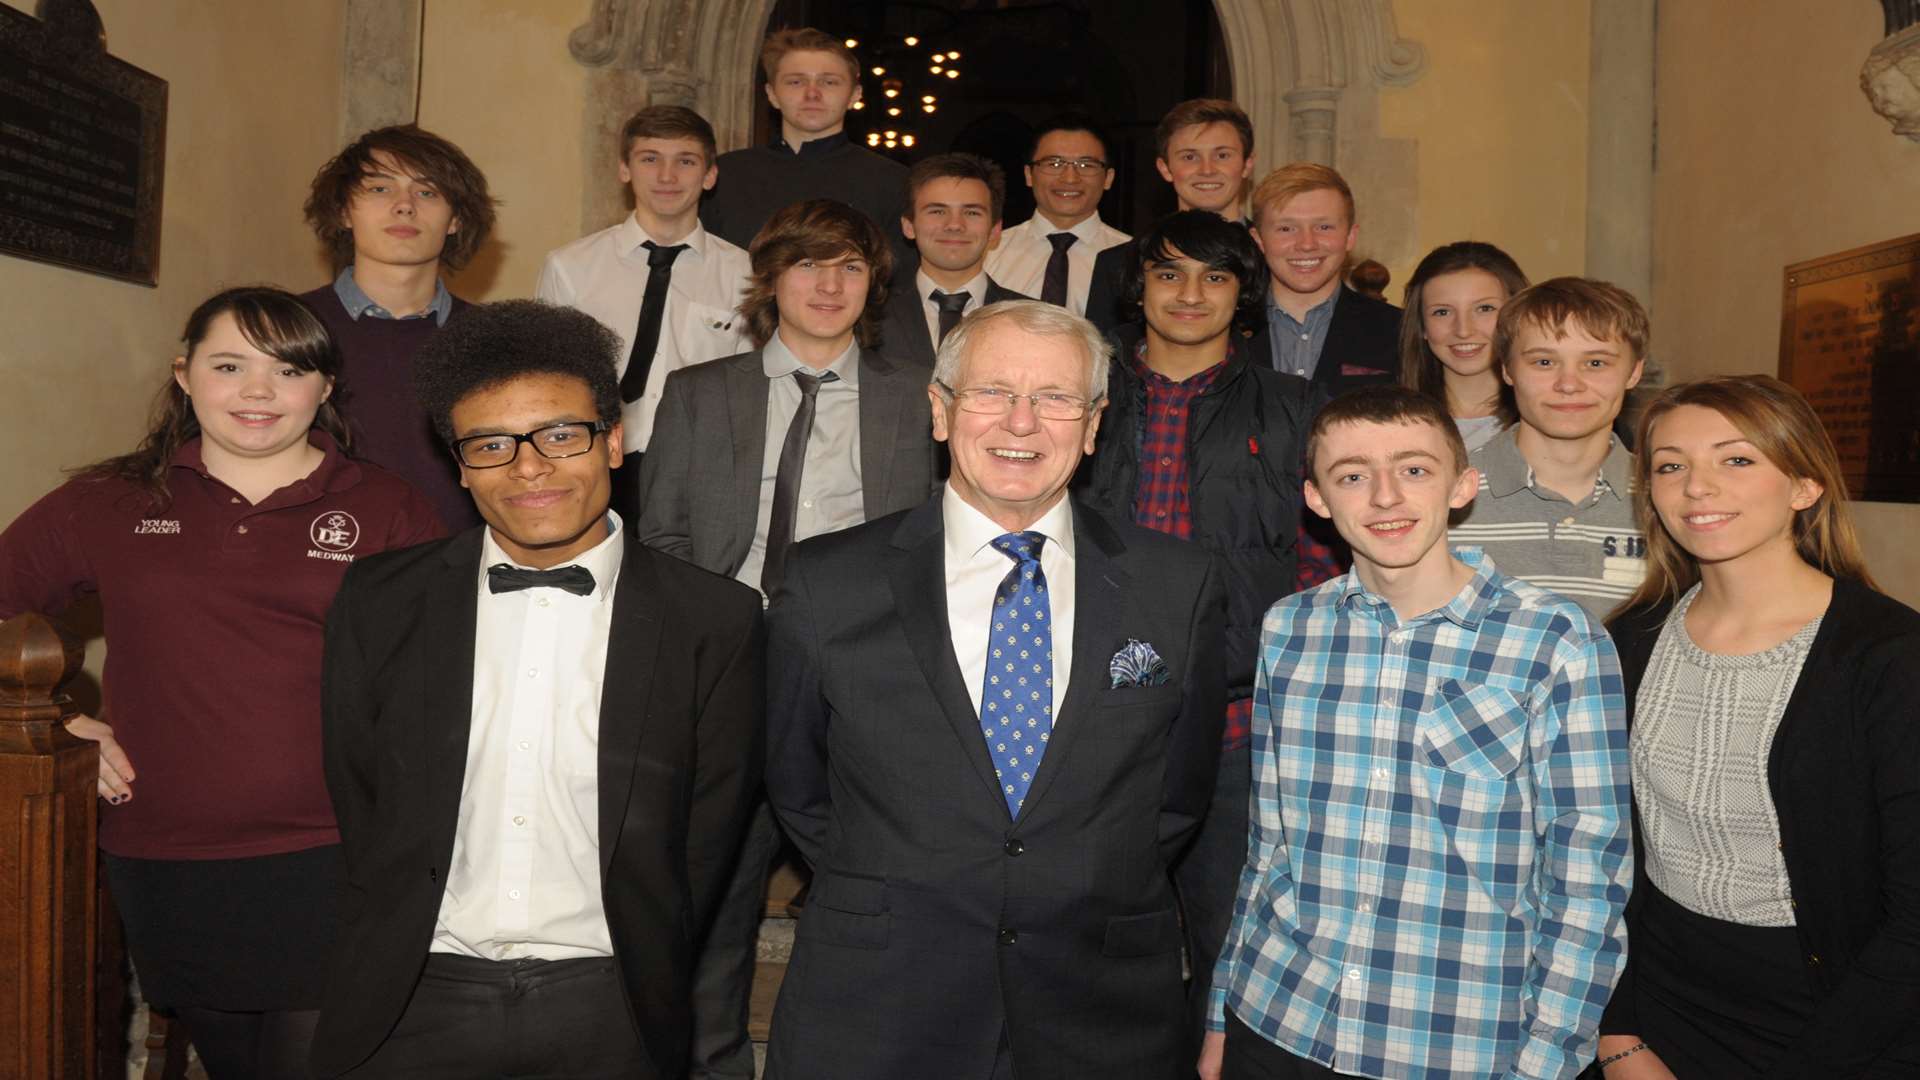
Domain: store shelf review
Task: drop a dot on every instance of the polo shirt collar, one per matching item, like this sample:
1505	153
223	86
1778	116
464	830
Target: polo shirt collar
632	234
1507	471
336	472
777	362
358	303
602	560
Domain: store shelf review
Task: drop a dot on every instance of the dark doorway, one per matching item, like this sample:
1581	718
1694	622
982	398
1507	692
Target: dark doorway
1124	62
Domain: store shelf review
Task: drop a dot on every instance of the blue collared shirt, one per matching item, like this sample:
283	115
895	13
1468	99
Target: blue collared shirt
358	303
1439	853
1296	344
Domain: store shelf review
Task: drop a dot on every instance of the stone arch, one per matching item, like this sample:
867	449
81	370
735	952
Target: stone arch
1305	71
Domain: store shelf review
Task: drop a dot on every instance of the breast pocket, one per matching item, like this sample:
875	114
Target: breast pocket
705	332
1479	732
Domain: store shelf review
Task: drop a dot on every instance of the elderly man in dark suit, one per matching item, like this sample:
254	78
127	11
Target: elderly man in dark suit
812	432
994	721
542	741
952	215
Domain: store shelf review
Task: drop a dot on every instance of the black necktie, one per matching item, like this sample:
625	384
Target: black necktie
950	305
502	577
653	309
786	482
1054	289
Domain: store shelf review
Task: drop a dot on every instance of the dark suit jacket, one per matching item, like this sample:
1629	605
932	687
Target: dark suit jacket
1362	349
904	335
681	750
1109	279
700	478
936	920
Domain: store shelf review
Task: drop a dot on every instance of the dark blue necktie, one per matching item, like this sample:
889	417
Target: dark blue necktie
1016	703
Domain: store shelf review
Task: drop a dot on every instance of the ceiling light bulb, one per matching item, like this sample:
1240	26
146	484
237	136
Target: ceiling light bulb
906	140
926	108
953	54
853	43
912	41
859	105
873	138
878	70
891	92
893	110
935	69
953	73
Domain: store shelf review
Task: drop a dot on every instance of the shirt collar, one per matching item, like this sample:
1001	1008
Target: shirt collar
336	471
1088	230
1198	382
632	234
778	362
358	303
825	144
1507	471
602	560
968	530
1469	606
1323	309
977	288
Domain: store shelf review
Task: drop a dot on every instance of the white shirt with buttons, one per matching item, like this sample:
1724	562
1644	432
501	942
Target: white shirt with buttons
524	881
605	275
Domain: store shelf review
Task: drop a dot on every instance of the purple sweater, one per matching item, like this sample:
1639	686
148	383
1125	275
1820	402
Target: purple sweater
376	394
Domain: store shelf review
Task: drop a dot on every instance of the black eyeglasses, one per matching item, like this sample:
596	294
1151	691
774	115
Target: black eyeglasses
1056	165
554	441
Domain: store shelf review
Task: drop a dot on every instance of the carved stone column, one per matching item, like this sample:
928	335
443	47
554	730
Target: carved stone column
380	83
1312	112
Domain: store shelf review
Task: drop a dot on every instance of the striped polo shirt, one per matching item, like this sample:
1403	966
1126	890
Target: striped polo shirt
1593	552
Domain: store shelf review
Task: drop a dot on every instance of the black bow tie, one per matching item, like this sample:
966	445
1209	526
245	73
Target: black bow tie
501	577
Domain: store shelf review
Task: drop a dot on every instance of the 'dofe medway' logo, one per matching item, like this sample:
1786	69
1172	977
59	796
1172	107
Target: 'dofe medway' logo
335	530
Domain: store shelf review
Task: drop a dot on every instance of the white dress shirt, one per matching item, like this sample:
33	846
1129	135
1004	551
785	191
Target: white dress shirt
525	876
974	572
977	289
605	275
831	497
1020	261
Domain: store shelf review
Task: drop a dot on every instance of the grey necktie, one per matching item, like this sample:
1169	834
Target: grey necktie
786	481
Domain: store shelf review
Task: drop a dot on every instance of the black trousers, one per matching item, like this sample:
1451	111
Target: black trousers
1251	1057
1208	877
522	1019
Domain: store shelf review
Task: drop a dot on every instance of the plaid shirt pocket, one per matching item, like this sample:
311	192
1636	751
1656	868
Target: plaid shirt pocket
1479	731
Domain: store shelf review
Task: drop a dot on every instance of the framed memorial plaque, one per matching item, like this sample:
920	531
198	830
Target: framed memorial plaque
1850	341
82	147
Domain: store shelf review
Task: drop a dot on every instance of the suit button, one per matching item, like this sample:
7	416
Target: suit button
1013	847
1009	937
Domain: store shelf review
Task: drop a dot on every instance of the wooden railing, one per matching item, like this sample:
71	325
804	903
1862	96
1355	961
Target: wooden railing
47	861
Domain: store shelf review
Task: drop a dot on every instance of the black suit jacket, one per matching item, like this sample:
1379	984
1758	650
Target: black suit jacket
1109	279
903	334
1362	349
936	920
680	756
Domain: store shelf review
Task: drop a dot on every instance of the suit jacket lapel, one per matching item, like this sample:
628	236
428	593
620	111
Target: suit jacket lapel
917	573
633	642
907	329
746	434
448	627
881	399
1099	583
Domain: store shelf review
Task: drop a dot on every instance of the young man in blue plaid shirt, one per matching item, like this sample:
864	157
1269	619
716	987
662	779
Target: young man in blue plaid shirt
1439	855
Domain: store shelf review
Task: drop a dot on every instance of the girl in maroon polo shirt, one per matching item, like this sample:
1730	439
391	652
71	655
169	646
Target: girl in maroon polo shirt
215	549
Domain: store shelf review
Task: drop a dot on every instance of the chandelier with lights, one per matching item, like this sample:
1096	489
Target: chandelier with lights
900	80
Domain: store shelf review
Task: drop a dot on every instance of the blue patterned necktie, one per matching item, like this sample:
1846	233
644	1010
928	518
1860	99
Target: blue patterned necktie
1016	707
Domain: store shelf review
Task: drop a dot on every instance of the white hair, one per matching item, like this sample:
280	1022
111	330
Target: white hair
1035	317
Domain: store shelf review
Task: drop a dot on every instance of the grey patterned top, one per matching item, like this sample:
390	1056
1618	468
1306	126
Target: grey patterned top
1703	727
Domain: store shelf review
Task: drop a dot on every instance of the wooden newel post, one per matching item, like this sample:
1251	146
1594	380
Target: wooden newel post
47	897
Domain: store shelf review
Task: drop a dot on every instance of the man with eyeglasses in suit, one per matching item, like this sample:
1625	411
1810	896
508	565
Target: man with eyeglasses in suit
1051	254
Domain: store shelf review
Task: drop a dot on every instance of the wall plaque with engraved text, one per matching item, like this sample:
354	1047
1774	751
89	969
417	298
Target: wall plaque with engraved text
82	151
1850	341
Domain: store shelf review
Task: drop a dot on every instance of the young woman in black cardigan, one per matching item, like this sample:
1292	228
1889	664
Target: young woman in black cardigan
1774	928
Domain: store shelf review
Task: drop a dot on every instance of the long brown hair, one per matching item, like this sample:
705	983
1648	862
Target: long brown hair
815	229
272	320
1420	368
1777	420
433	159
